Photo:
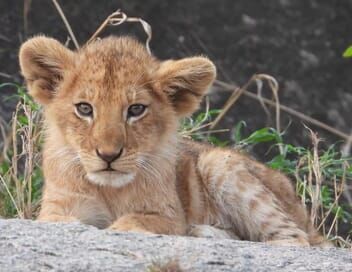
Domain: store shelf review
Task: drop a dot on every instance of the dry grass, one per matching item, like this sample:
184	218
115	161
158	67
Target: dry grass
313	183
20	162
224	86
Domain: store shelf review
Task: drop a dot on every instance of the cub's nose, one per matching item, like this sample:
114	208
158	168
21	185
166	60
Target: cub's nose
108	156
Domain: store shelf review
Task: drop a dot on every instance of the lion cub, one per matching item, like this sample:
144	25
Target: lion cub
113	159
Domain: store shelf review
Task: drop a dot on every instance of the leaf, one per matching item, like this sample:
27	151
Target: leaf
22	120
262	136
206	116
279	162
237	133
4	167
217	142
348	52
326	195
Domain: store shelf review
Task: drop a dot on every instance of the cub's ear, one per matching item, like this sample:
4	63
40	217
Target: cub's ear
186	81
43	62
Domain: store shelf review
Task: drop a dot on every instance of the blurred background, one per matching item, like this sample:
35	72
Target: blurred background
300	43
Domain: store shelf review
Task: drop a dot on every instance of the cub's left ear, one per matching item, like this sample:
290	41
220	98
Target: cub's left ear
43	63
186	81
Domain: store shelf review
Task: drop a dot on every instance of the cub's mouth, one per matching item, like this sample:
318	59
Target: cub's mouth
111	177
108	169
111	171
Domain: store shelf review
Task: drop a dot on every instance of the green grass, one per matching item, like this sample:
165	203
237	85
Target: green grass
21	177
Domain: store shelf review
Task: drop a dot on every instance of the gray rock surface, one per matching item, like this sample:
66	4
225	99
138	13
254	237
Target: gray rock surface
33	246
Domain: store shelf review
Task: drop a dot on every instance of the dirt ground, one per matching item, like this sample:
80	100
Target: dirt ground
299	42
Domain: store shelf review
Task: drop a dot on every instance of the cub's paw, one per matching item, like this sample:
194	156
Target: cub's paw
208	231
57	218
289	242
117	226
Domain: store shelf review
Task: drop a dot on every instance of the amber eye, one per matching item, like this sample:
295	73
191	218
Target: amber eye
84	109
136	110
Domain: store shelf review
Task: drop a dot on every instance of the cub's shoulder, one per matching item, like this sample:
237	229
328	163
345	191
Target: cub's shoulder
204	154
188	147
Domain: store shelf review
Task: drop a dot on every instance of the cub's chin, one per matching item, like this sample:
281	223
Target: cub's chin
111	178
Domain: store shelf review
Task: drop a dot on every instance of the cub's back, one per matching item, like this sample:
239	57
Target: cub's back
193	182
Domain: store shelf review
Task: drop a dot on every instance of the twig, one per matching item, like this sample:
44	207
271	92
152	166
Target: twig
6	139
342	240
4	38
237	92
315	170
68	27
195	129
346	148
260	98
231	87
333	205
117	18
211	131
26	9
258	79
274	87
5	75
10	195
334	222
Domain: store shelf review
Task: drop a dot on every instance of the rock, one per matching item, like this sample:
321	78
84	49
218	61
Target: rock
32	246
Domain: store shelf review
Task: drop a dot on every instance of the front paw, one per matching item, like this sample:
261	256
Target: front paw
289	242
128	227
208	231
57	218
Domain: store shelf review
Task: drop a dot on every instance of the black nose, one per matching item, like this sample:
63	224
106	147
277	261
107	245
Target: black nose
109	157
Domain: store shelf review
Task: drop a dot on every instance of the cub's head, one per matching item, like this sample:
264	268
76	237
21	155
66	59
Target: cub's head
112	104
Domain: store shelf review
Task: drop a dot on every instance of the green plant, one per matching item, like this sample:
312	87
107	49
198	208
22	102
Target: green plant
20	173
196	127
348	52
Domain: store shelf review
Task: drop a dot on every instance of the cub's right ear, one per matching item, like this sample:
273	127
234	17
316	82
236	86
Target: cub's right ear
43	62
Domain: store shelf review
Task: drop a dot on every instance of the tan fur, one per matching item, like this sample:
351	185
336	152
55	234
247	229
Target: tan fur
161	183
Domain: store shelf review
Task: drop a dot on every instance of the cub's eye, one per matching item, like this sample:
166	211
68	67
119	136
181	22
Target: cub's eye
84	109
136	110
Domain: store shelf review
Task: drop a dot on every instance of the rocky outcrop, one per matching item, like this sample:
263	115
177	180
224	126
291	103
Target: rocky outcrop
32	246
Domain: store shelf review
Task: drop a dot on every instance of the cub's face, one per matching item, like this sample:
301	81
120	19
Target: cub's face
115	107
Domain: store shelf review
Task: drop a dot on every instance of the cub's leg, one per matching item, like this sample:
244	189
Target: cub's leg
62	205
240	196
149	223
50	217
56	208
